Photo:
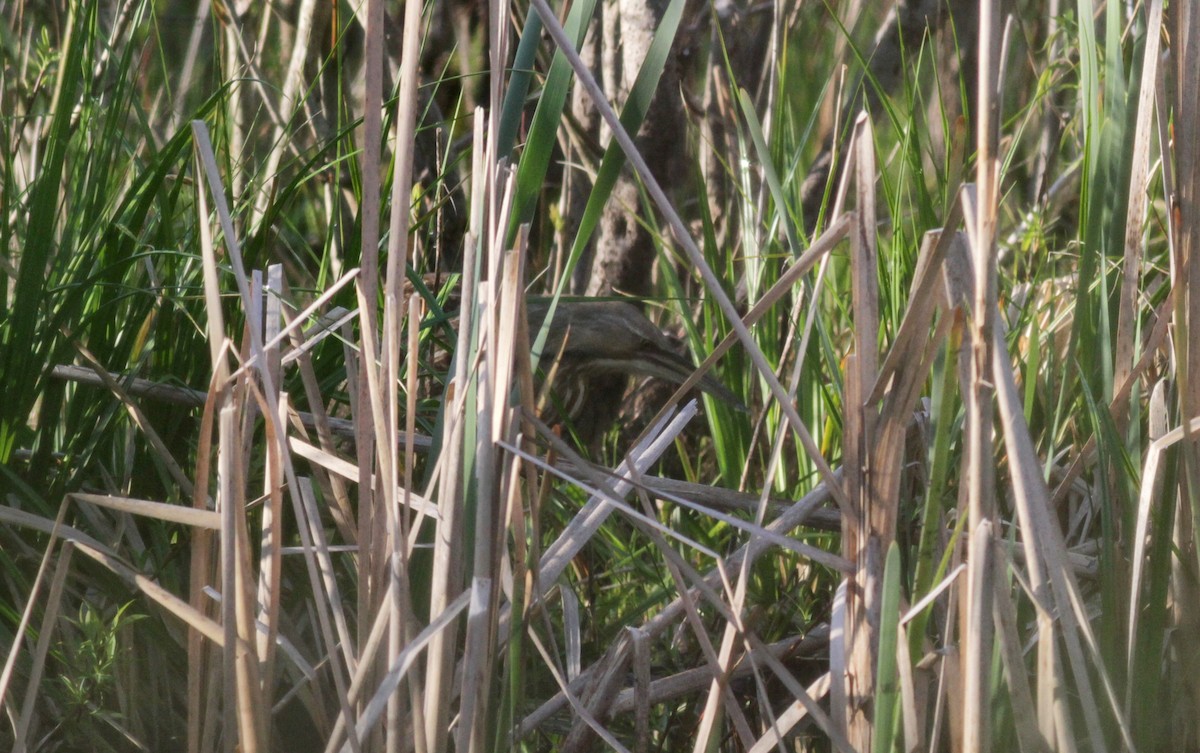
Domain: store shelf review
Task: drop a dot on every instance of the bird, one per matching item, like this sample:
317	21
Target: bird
593	349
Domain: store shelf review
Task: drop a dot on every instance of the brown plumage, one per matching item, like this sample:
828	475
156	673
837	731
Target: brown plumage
594	347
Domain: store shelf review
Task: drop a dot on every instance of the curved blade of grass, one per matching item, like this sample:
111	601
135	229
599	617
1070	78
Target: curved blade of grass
518	84
632	115
546	119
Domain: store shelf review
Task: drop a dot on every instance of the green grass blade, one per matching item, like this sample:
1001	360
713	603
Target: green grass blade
887	676
518	84
24	347
632	115
769	173
546	120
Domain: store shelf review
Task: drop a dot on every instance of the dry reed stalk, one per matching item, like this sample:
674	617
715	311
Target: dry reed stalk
332	484
862	542
371	517
202	668
1046	558
188	516
53	603
1138	200
448	553
139	419
27	612
1179	132
376	706
270	562
267	394
791	716
240	676
108	559
976	611
1025	716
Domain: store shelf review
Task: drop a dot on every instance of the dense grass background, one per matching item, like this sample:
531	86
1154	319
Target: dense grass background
239	263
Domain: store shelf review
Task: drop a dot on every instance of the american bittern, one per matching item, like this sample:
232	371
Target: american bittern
595	347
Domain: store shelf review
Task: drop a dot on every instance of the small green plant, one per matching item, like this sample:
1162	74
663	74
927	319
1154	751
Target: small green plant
89	661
